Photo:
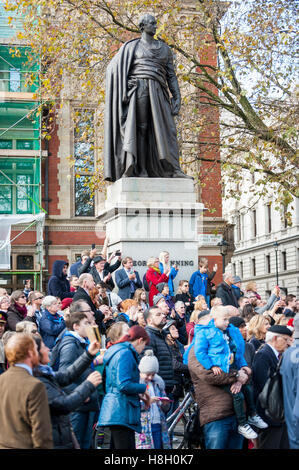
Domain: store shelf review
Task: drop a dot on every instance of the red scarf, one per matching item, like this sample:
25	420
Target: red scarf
21	310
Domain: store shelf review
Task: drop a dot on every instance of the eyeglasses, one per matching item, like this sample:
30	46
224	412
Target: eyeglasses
39	298
22	297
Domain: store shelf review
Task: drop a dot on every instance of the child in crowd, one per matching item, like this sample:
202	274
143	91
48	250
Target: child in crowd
200	281
219	346
154	433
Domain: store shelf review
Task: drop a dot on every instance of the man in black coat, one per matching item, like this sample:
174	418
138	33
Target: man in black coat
225	291
86	284
155	321
264	365
101	269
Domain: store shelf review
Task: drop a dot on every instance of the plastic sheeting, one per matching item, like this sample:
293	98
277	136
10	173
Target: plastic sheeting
6	221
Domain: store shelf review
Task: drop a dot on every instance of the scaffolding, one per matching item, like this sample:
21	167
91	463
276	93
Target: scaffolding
20	151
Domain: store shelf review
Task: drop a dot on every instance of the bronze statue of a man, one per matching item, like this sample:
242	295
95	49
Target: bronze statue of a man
140	134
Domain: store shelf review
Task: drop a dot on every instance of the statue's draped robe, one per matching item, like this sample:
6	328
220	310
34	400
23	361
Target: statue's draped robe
120	126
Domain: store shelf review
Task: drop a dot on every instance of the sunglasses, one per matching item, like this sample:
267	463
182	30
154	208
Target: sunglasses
22	297
39	298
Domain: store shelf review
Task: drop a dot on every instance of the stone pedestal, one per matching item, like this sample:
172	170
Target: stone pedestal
144	216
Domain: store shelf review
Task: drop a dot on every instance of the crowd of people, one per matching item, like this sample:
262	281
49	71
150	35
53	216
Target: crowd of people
119	352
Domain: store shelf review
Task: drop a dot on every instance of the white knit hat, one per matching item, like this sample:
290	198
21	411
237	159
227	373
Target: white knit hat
149	363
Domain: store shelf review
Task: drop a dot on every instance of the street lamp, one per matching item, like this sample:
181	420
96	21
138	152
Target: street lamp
275	244
223	251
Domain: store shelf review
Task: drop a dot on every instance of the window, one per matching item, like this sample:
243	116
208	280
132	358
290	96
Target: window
269	220
253	267
24	262
254	231
285	220
84	163
241	269
14	80
234	269
239	227
19	186
284	260
268	264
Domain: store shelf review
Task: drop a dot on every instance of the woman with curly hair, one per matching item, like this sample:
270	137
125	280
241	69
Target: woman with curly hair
257	329
140	297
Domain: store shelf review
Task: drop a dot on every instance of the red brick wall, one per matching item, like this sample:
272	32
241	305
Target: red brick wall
53	161
210	172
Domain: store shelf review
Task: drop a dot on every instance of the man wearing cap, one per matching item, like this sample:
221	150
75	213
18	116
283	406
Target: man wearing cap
290	380
237	287
278	339
101	269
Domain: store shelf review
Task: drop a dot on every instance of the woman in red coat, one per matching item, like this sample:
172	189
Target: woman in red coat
154	277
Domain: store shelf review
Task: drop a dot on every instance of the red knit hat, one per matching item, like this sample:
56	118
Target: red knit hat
65	303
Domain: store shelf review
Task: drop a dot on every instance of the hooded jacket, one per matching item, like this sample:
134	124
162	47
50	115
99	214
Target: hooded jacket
121	404
211	348
58	285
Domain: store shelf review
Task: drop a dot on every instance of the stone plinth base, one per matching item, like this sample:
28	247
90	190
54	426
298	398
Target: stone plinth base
145	216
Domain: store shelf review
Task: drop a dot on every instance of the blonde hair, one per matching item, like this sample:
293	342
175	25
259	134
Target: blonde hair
203	262
162	260
194	316
199	304
179	291
26	327
251	286
218	310
18	347
254	327
137	295
151	261
214	302
116	331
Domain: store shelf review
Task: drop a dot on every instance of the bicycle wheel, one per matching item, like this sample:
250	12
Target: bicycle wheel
178	438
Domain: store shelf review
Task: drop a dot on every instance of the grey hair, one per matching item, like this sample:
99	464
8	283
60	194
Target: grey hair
83	278
48	301
178	303
226	275
270	335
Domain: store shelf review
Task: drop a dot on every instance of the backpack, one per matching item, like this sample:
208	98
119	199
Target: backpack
145	283
271	398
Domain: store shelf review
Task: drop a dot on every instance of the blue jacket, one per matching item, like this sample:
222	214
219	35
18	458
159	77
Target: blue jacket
124	284
290	379
198	284
211	348
172	275
74	268
121	404
50	326
58	285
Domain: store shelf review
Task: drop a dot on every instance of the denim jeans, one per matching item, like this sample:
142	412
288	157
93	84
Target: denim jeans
157	436
82	424
223	434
